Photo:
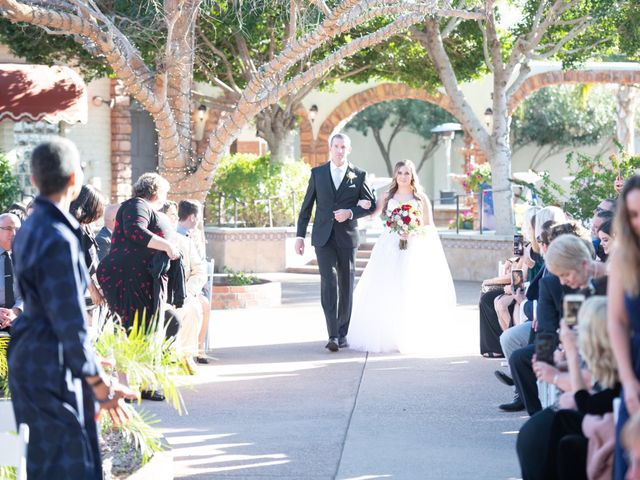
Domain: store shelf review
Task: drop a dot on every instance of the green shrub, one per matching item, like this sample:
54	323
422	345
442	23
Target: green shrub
253	180
240	278
9	186
592	180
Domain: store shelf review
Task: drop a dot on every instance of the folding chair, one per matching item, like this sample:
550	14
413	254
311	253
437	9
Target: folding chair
210	271
14	447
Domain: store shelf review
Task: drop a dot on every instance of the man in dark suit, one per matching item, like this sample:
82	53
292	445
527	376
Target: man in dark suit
10	299
103	238
335	188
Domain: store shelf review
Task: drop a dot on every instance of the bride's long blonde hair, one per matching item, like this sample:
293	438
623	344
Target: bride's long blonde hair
418	191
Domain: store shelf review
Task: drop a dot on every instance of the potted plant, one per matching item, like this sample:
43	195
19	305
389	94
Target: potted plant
464	221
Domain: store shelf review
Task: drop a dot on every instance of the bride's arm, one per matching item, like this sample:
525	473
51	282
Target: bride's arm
379	205
427	212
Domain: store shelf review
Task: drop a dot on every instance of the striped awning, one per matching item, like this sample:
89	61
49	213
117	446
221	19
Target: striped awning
34	93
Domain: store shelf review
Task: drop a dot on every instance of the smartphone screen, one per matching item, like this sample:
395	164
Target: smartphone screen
571	303
545	345
517	280
518	245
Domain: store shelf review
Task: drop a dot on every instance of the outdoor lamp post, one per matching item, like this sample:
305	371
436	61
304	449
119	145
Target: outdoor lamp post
313	113
446	132
488	118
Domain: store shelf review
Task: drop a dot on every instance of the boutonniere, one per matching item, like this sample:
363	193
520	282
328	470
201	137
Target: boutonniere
351	176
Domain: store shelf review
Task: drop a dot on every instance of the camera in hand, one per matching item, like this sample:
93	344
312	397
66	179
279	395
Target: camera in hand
518	245
571	303
545	345
517	280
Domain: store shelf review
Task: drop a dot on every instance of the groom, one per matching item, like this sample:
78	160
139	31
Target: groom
335	187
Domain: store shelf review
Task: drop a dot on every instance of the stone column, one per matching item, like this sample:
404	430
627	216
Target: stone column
626	117
120	143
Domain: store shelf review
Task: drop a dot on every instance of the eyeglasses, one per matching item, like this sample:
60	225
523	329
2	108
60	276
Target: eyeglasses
10	229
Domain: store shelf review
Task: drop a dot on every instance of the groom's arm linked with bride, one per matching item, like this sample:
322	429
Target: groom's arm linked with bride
335	189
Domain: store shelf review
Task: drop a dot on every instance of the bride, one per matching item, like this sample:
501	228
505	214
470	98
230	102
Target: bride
404	298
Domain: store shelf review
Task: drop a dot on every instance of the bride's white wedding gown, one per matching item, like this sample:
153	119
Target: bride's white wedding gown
404	300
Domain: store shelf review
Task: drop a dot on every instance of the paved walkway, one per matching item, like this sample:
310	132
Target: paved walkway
276	404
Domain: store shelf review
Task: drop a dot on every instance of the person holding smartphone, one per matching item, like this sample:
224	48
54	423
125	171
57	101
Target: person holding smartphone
573	270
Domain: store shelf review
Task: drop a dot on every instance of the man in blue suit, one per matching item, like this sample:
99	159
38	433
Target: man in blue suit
54	376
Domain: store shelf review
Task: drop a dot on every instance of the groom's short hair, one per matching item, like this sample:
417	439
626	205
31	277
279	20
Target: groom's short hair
345	138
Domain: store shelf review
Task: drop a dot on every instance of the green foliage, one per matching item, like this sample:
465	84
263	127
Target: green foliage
564	115
592	181
138	434
240	278
9	186
253	180
144	356
4	369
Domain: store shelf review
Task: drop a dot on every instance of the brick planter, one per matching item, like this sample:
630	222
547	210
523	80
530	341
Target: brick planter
265	294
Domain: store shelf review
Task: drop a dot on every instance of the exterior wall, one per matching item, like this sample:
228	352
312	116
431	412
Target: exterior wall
94	139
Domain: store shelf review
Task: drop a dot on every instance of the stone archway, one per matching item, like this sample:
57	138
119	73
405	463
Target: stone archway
546	79
315	150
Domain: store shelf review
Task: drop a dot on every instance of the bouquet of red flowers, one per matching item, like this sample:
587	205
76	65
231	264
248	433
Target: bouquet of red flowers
404	219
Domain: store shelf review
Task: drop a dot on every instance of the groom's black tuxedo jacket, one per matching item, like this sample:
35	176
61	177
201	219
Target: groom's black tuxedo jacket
323	193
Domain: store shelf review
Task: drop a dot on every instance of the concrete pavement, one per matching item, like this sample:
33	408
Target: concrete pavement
276	404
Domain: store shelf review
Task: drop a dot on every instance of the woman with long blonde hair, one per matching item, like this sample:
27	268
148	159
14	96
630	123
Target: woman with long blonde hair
389	311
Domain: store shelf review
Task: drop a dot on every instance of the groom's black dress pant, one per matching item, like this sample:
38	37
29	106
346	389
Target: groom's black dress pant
337	274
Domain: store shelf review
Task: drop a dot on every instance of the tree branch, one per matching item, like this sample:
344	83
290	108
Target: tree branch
433	45
218	53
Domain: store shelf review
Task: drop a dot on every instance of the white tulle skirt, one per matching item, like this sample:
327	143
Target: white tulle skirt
405	299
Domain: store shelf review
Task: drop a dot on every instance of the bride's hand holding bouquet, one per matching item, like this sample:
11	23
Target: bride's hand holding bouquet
404	220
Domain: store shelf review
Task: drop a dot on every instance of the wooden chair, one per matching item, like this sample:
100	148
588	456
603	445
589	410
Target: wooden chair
13	452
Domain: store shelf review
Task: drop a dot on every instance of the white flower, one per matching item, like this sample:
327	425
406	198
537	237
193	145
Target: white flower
351	176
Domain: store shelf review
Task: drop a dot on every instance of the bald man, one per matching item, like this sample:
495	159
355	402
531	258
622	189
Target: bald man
10	298
103	238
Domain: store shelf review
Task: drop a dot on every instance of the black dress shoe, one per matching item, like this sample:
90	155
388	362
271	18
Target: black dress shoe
332	345
152	395
342	343
202	360
515	406
504	378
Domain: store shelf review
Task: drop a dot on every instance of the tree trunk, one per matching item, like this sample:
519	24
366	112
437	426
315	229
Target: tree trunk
626	117
275	125
386	157
499	155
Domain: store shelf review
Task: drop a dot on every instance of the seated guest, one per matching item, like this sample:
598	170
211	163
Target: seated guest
572	269
10	298
189	217
552	443
605	234
520	336
190	314
103	238
19	210
87	209
603	212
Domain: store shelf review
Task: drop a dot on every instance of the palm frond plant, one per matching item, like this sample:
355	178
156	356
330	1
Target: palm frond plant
4	368
147	360
144	356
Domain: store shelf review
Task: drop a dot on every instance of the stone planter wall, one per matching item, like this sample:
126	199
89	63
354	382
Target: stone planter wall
267	294
474	257
254	249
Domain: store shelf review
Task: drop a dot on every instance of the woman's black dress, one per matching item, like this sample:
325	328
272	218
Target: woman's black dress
124	273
